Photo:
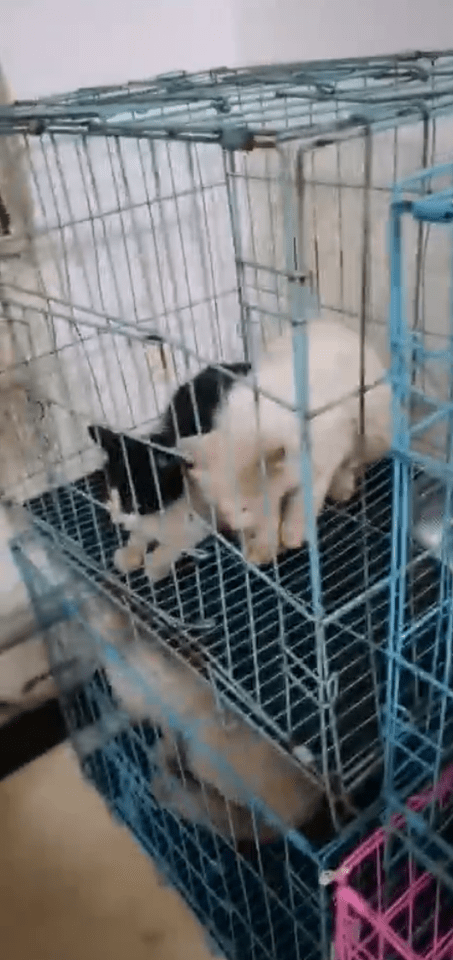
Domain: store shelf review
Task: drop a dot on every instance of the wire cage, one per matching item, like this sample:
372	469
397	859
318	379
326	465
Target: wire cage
181	227
387	903
419	696
256	886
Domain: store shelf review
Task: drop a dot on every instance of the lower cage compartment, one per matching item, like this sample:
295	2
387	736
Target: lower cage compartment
262	903
257	908
265	902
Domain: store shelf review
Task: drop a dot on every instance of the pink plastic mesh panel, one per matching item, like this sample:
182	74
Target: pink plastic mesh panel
387	906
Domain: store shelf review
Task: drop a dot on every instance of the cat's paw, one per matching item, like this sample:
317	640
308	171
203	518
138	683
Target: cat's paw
129	558
292	527
157	565
259	549
343	485
292	535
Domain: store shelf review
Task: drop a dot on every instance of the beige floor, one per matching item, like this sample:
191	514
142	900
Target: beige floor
73	884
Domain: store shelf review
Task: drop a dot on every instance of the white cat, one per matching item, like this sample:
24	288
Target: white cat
225	759
250	462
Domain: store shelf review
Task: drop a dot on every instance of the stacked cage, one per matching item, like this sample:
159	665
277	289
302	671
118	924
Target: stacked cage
232	709
420	696
394	892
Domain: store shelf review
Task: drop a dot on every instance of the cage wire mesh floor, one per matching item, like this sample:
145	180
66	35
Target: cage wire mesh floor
239	617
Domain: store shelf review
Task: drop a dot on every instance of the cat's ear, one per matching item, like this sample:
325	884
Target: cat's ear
105	438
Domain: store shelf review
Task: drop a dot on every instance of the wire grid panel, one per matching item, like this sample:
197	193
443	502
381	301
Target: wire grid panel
253	884
251	613
135	236
388	902
149	220
420	702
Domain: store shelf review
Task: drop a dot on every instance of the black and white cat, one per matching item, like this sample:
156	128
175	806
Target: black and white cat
150	493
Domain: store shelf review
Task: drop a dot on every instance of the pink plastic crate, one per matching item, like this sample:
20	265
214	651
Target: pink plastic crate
403	914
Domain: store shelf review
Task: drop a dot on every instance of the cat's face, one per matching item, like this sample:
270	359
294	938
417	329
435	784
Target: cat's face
231	477
132	469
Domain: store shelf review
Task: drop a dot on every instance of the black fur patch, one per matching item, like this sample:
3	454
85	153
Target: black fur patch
133	467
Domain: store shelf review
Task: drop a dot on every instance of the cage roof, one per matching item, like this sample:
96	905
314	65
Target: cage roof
251	107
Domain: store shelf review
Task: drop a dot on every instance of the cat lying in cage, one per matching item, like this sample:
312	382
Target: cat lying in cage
176	788
246	468
142	479
211	762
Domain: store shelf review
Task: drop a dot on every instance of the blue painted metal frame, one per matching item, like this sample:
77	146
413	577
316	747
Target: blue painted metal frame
277	904
257	106
416	745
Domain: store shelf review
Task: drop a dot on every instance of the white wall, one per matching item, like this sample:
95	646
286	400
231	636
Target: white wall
272	30
47	46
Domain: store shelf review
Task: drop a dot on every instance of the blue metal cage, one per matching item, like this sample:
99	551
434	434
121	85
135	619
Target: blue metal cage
205	212
419	694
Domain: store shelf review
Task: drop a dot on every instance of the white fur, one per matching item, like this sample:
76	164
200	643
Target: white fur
222	750
257	442
178	529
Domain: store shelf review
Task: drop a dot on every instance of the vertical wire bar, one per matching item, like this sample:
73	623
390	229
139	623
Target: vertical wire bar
114	153
444	632
51	324
231	176
300	311
112	270
300	233
231	181
163	233
419	252
179	231
63	228
364	313
273	234
294	911
399	368
340	215
136	230
128	237
82	150
152	227
204	243
419	260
